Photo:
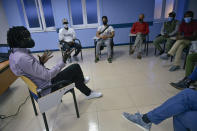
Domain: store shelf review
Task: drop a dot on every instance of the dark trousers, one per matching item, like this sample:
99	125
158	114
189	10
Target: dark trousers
74	74
67	46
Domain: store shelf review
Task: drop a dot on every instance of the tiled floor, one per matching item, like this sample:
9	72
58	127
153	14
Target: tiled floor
127	84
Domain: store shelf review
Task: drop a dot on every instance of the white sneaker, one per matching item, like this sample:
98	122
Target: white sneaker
86	79
94	94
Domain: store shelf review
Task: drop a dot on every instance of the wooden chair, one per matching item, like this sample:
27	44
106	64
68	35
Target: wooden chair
50	100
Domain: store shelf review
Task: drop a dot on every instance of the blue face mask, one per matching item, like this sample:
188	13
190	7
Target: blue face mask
187	19
170	18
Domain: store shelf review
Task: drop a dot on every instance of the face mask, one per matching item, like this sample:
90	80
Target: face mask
104	22
140	20
187	19
170	18
65	25
26	41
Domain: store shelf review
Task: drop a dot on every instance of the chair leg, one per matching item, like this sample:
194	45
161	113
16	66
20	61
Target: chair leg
185	60
147	49
75	102
171	58
33	103
81	55
45	121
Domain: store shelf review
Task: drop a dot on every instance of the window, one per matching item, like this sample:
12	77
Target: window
163	8
38	15
84	13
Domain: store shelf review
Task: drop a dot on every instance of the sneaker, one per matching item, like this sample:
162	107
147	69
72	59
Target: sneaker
94	94
164	56
174	68
109	60
96	59
86	79
137	120
139	56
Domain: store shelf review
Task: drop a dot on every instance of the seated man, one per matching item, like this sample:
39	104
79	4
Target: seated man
187	33
141	29
182	107
105	33
23	63
67	37
169	29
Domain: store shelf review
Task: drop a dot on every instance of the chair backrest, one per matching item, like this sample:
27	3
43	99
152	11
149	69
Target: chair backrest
31	85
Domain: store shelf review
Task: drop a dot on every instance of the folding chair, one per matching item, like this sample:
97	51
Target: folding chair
50	100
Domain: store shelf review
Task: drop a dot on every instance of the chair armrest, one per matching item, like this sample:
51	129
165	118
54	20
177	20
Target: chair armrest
58	84
78	41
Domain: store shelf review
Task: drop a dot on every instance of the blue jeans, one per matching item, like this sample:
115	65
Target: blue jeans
182	107
193	76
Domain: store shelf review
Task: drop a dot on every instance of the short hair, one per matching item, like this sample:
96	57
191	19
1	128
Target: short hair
172	14
14	35
105	17
190	13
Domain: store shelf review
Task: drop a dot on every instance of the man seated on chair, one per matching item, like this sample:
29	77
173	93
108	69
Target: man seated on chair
141	29
169	29
67	37
105	34
23	63
187	33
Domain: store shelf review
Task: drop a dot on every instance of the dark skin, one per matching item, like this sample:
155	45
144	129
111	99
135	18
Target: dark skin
45	57
180	36
104	37
48	55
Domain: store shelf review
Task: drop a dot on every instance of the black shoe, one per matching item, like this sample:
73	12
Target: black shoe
183	84
96	59
109	60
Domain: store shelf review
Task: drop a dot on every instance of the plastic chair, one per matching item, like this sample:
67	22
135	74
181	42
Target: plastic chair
50	100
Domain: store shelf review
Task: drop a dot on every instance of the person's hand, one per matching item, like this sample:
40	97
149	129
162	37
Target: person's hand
104	37
179	37
166	35
45	57
67	54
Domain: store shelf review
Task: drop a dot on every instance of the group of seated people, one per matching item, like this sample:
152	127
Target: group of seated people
183	106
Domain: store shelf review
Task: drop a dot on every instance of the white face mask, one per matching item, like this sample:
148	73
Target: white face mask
65	25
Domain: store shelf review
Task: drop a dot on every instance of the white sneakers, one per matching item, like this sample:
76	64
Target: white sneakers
94	94
86	79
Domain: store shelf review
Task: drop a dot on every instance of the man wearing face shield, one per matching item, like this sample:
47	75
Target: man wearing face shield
169	29
67	36
23	63
141	29
187	33
105	33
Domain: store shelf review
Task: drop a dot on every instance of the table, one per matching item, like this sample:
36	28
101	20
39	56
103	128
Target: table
6	76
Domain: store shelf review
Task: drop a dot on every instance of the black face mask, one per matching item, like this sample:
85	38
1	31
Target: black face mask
25	40
104	22
141	20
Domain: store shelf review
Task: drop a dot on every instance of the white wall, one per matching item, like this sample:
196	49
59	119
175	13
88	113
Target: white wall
3	25
192	6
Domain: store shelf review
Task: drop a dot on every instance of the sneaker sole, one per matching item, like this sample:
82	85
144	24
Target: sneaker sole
135	124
